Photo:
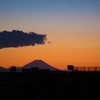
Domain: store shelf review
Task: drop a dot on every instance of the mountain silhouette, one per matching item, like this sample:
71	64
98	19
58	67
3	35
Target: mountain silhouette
4	69
41	64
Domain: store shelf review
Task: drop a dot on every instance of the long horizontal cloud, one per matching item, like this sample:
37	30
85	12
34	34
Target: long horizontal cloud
18	38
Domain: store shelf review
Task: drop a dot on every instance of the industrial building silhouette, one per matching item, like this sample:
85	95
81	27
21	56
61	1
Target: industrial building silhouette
35	83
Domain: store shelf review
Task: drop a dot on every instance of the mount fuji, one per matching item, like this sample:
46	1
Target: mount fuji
41	64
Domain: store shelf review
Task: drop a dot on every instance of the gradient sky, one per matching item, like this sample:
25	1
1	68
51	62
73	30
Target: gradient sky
72	26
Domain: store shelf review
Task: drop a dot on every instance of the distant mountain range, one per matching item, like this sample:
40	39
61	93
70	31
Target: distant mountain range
36	63
4	69
41	64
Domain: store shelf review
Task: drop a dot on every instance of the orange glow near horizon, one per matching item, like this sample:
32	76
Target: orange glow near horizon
57	56
62	51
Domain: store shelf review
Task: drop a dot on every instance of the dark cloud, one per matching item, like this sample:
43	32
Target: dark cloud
18	38
49	42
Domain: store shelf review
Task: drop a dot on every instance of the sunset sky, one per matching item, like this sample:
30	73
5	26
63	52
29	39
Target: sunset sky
72	26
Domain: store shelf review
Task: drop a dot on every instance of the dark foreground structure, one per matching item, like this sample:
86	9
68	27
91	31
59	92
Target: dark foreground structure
50	85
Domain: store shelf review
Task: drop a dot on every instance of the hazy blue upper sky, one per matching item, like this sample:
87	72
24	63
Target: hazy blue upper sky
36	12
8	7
37	6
